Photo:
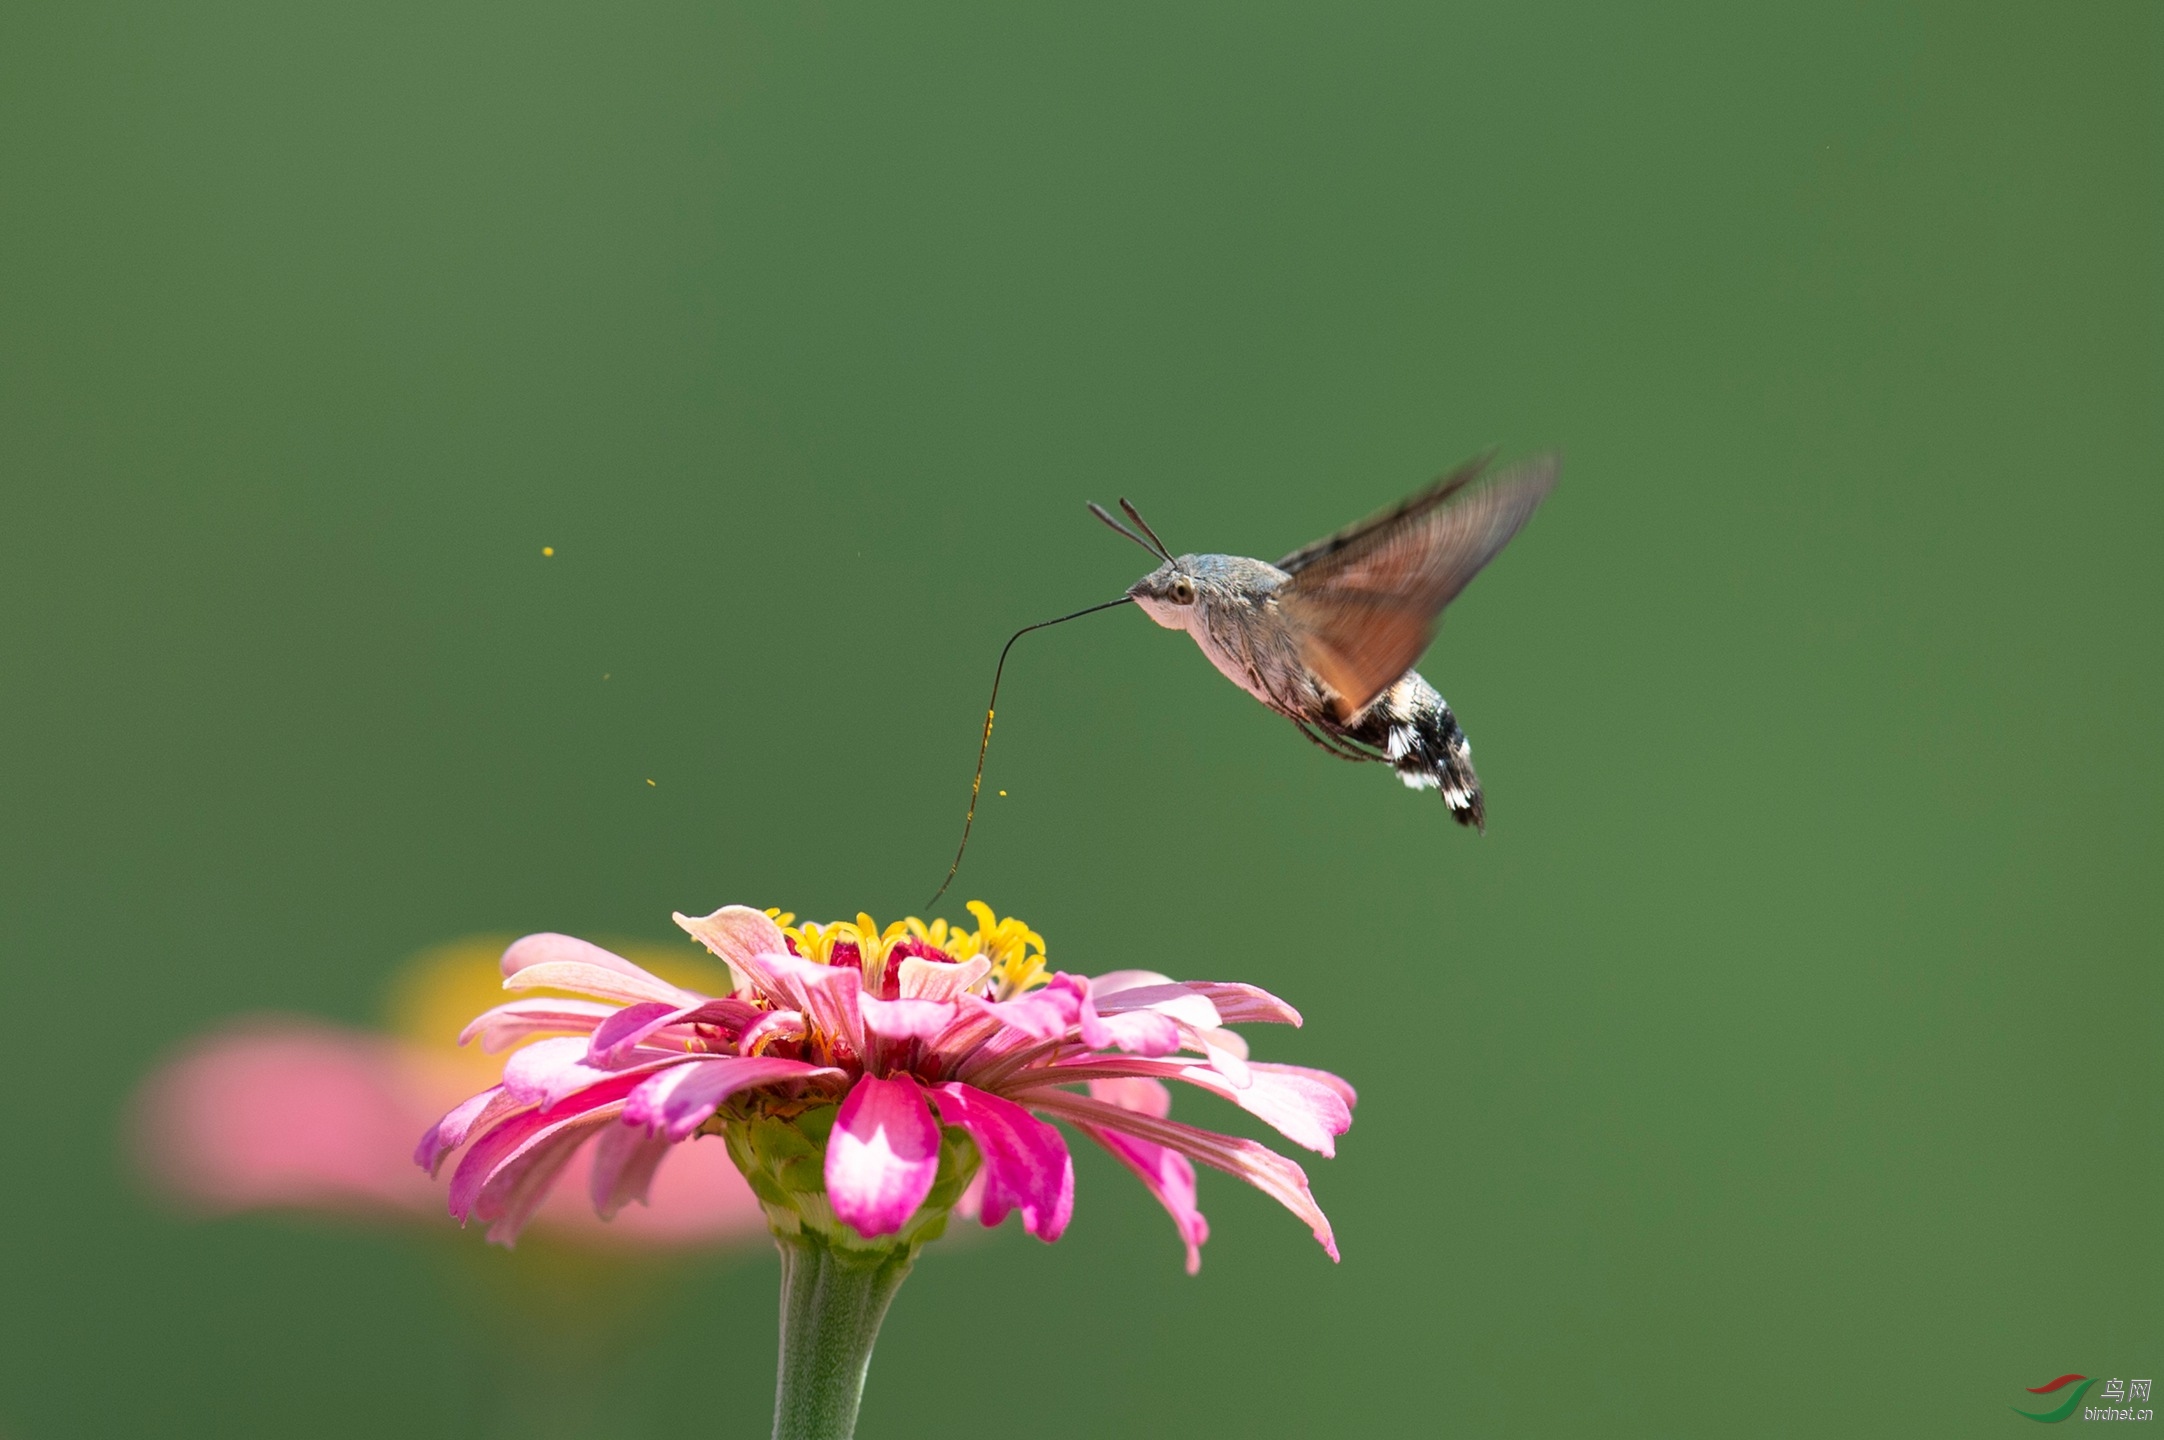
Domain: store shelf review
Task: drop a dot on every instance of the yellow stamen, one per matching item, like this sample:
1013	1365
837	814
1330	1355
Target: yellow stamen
1015	951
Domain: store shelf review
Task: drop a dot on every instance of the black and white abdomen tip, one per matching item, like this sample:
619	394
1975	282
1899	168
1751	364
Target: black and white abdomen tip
1413	727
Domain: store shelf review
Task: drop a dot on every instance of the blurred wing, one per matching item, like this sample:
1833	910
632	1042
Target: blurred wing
1365	600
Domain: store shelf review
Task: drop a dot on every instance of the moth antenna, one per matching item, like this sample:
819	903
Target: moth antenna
1099	511
991	708
1136	516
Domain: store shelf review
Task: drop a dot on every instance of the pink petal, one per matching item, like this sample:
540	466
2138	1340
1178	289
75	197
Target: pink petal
1041	1015
1165	1173
1307	1107
882	1156
1178	1001
545	946
506	1025
550	949
1026	1164
1145	1032
549	1071
630	1025
1115	980
682	1098
615	1037
763	982
486	1154
905	1019
625	1160
1245	1004
971	1028
1258	1165
530	1076
516	1135
768	1028
1226	1052
739	935
971	1205
920	979
697	1198
827	994
596	981
1340	1086
1144	1097
447	1134
516	1188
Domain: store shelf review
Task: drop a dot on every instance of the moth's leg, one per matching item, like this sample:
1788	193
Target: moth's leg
1355	748
1332	745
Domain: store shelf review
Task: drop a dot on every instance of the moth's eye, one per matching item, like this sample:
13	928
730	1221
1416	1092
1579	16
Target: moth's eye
1182	593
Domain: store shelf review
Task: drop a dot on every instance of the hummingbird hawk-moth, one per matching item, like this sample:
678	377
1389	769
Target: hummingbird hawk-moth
1328	635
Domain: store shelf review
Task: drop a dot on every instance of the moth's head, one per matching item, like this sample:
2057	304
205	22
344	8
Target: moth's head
1168	593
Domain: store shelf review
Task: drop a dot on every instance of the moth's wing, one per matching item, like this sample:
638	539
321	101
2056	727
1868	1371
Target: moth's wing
1406	509
1365	600
1358	647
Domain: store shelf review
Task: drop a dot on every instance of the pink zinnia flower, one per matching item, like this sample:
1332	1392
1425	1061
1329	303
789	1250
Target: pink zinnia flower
289	1113
865	1079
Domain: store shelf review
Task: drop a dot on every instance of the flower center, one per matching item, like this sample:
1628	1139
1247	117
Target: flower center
1014	951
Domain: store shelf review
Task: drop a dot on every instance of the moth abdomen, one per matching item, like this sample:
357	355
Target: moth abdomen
1413	727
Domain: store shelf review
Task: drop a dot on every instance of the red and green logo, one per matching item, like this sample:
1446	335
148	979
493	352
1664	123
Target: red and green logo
2081	1384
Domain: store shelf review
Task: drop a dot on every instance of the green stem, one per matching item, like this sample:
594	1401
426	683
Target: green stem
831	1305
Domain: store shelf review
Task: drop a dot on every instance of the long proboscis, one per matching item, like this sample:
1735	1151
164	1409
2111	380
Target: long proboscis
991	708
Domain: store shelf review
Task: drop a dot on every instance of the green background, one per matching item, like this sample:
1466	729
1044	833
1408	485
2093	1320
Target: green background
1781	1062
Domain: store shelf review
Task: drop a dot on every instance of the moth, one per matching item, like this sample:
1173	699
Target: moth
1327	636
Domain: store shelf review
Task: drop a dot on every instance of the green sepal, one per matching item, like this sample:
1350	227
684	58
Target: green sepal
783	1158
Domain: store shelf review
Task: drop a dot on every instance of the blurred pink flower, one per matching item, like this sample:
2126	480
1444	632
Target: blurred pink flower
288	1113
824	1067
